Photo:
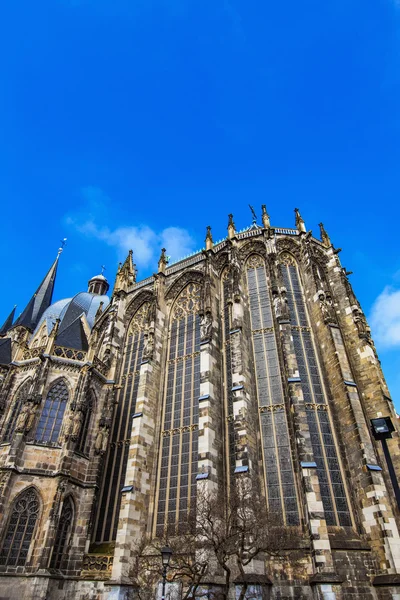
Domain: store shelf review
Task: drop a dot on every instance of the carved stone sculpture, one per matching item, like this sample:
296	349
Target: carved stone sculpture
205	326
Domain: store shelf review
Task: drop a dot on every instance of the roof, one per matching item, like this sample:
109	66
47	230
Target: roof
5	351
71	333
40	300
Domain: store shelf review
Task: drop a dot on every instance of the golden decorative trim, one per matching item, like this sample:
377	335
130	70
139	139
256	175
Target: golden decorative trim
312	405
300	328
182	358
263	330
272	408
176	430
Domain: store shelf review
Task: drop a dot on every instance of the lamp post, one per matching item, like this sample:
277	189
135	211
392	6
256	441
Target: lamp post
382	429
166	554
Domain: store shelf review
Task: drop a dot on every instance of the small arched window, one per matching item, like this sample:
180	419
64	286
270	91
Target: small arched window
20	529
60	550
87	415
49	426
16	409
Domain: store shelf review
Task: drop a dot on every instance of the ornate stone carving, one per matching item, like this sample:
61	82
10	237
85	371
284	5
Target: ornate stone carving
253	247
101	443
255	261
188	302
280	303
327	308
148	345
179	285
205	326
286	259
140	320
26	417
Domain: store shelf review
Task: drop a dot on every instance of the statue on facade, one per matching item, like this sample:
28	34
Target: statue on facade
25	418
361	323
280	304
76	425
327	308
148	345
205	326
100	445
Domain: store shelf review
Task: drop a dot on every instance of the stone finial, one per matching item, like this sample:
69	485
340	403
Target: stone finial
324	236
209	239
126	274
300	221
162	263
99	311
231	227
265	217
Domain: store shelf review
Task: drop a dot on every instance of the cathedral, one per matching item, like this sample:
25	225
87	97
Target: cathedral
251	360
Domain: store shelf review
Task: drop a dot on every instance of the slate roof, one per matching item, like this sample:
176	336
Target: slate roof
5	351
8	322
40	300
71	333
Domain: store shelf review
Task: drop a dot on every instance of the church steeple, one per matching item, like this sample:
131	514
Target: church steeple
40	300
8	322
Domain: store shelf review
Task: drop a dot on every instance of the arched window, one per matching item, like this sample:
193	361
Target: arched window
87	415
179	452
20	529
48	429
278	464
15	410
326	455
60	550
118	452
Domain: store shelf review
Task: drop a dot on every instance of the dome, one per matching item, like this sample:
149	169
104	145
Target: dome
69	312
98	285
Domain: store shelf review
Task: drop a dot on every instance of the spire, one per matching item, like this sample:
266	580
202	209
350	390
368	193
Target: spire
300	221
40	300
209	239
231	227
126	274
163	261
8	322
324	236
265	217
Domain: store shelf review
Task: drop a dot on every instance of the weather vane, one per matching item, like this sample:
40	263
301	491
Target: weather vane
61	248
102	269
253	213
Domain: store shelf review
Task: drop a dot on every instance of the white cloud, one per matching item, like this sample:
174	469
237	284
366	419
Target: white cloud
385	318
145	242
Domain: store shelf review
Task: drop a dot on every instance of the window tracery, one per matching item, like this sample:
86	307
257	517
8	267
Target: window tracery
49	426
278	464
323	442
120	431
188	302
179	452
20	529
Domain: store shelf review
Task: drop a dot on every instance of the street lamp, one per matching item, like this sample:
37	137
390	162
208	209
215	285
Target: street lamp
382	429
166	554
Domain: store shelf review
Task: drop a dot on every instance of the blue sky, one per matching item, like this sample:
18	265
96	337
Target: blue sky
137	123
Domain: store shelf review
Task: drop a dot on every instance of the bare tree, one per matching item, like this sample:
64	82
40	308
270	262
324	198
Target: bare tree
221	536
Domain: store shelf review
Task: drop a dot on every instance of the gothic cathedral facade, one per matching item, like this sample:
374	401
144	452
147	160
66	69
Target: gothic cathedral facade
249	359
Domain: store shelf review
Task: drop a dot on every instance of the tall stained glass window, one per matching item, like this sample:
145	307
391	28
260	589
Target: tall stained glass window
279	473
15	409
20	529
49	426
118	452
322	439
230	427
179	448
